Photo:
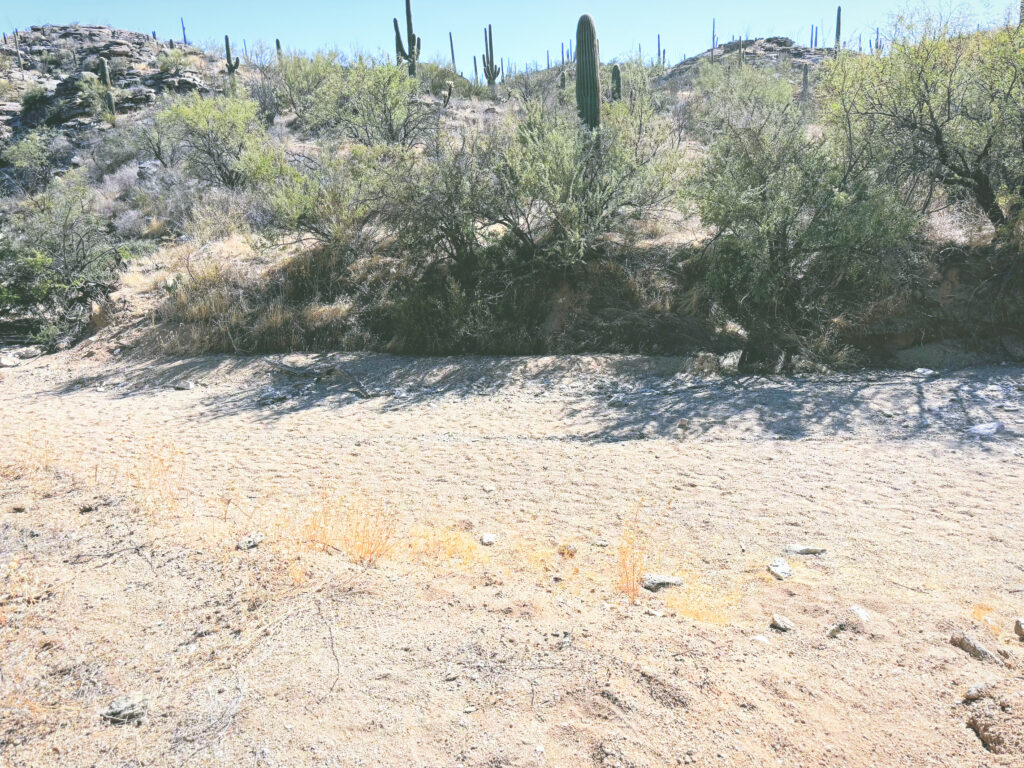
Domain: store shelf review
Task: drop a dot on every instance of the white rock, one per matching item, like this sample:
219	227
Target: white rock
762	639
8	361
860	613
927	372
251	541
489	539
781	623
991	429
780	569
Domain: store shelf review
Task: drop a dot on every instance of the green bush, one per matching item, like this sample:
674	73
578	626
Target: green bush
213	134
559	188
57	257
372	104
804	244
32	159
299	80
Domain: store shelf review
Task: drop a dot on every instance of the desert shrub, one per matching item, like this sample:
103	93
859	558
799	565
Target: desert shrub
35	105
213	134
804	243
944	106
300	78
373	104
172	61
57	257
559	188
32	159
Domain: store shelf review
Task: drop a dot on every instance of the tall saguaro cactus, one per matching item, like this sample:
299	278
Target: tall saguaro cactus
232	65
491	69
411	53
616	83
588	72
184	37
805	92
104	73
451	42
839	26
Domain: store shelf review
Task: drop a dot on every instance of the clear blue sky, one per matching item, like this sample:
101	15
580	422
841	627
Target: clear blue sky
523	29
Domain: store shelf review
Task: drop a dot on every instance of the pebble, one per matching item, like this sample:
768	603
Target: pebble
990	429
781	623
653	582
185	386
124	710
489	539
803	549
780	569
251	541
971	646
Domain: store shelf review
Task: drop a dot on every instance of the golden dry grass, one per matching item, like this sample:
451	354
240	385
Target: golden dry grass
632	558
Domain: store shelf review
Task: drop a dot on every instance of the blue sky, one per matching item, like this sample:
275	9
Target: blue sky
523	29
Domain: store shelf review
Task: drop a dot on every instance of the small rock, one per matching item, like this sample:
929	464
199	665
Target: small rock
971	646
976	693
489	489
1018	628
601	543
991	429
653	582
926	372
762	639
781	623
186	386
124	710
652	612
8	361
860	613
489	539
251	541
803	549
780	569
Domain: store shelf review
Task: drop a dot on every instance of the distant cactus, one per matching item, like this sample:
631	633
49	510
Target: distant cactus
17	46
476	73
713	43
232	65
491	70
616	83
451	42
588	72
411	52
562	81
839	25
805	92
280	52
104	73
184	37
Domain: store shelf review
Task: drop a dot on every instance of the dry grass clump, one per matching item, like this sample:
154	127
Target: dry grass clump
363	530
445	545
631	561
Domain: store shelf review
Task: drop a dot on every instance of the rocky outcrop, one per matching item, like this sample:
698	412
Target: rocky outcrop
61	63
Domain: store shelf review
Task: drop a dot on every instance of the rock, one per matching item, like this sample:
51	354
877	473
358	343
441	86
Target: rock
780	569
730	364
8	361
971	646
251	541
654	582
1018	628
928	373
781	623
763	639
803	549
976	693
854	621
185	386
861	614
489	539
124	710
990	429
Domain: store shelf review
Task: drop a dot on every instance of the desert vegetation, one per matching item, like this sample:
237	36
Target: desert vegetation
792	210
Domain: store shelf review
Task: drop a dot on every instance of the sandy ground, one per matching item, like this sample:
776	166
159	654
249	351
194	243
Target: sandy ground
127	484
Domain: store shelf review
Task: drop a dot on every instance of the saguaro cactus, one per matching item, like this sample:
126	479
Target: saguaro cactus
184	37
616	83
491	70
104	73
451	42
588	72
839	26
280	53
411	53
232	65
805	92
111	105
